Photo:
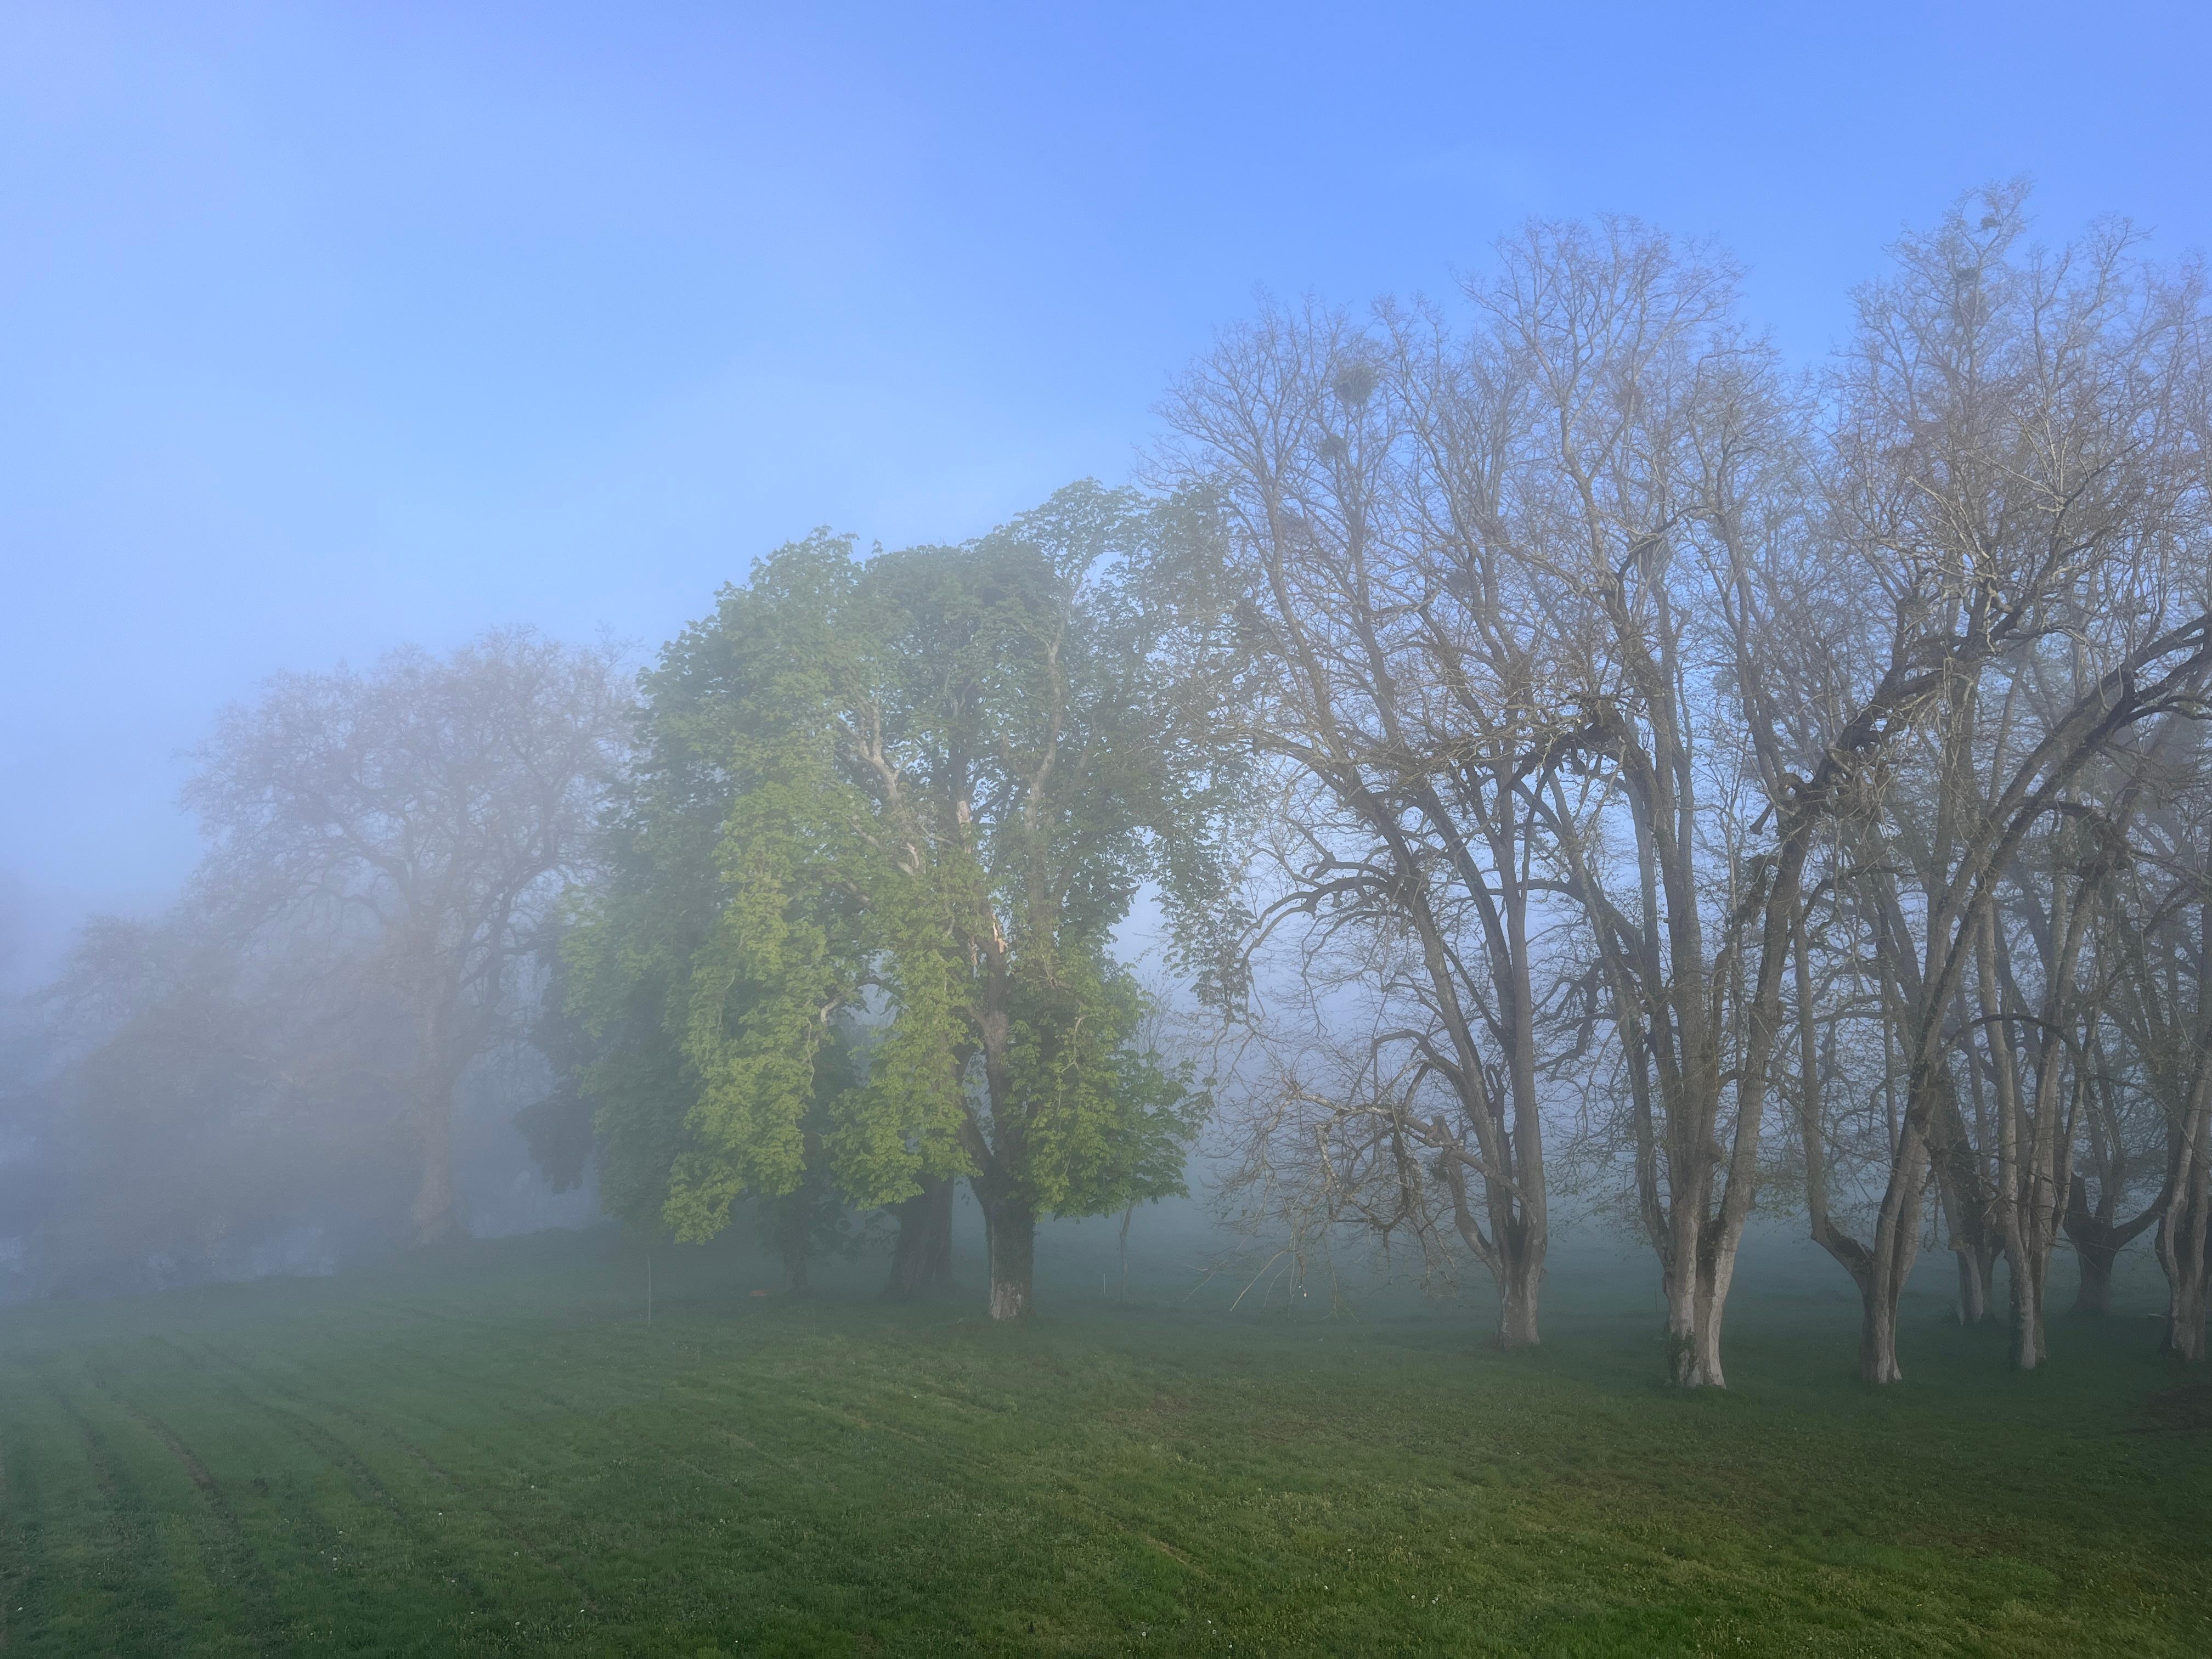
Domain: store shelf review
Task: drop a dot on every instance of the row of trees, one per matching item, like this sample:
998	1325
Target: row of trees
280	1056
1774	779
1554	730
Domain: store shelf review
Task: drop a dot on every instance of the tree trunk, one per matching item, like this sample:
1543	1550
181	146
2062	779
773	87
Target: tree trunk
1881	1272
2093	1293
2183	1242
1517	1288
1513	1250
1696	1298
794	1228
2185	1227
2029	1348
2184	1322
1976	1272
1964	1205
1011	1223
1878	1334
921	1260
2098	1241
433	1220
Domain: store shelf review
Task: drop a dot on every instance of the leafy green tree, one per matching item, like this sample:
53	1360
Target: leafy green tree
635	944
941	776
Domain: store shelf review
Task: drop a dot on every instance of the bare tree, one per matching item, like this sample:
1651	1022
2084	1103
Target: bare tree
2123	1141
2163	1013
1390	647
443	801
1603	668
2007	456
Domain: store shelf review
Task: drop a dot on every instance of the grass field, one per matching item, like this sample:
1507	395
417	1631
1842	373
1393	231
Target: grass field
492	1452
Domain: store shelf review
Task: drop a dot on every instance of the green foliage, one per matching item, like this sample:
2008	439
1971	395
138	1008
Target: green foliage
1106	1120
888	815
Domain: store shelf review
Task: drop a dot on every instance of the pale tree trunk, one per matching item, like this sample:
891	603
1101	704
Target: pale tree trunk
1009	1209
1884	1269
1698	1264
1963	1200
1880	1272
2013	1155
1512	1247
1128	1216
2184	1322
2029	1348
2027	1270
2036	1170
1520	1210
1878	1334
921	1260
2185	1230
1696	1298
1009	1223
1518	1284
1513	1199
433	1218
1880	1267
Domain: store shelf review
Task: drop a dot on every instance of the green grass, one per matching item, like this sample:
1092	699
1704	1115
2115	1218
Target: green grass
492	1453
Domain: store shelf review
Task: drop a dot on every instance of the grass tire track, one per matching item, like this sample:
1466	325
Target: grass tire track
240	1564
294	1409
265	1396
131	1522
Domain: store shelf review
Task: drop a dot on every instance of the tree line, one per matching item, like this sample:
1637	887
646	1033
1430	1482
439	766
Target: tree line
1794	782
1560	734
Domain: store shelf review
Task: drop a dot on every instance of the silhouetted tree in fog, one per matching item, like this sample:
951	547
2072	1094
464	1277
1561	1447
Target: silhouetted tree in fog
444	802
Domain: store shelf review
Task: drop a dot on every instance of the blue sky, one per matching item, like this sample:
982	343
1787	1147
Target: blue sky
327	327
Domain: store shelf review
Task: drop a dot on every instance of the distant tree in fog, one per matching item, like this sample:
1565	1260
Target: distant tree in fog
439	804
222	1088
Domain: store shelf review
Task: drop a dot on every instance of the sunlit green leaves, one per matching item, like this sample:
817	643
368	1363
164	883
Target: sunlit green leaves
890	812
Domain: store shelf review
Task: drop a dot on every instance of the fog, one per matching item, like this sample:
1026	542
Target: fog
707	710
331	334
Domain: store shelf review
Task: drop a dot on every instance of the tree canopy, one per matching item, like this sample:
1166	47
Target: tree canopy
891	813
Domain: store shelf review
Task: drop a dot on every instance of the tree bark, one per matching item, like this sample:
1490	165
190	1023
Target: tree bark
1697	1296
1964	1202
2184	1229
2098	1240
1881	1272
1977	1274
2093	1293
921	1260
2184	1322
2029	1347
1518	1286
433	1220
1011	1225
1878	1335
